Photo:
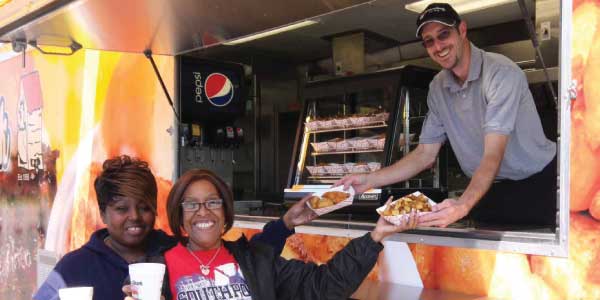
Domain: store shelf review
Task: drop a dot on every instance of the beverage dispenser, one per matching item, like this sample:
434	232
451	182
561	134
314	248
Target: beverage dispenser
211	97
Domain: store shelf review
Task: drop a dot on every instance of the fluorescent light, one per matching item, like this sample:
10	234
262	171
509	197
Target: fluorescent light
274	31
461	6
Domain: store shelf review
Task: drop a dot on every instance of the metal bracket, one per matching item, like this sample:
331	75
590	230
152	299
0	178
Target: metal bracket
74	47
19	46
536	46
148	55
572	90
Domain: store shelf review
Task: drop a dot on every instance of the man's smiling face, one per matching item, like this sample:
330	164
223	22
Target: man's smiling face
445	44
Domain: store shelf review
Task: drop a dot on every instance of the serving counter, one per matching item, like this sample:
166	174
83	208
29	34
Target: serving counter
378	290
381	284
463	234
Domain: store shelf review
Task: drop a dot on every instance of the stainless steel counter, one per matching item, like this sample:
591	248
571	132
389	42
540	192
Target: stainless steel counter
371	290
540	241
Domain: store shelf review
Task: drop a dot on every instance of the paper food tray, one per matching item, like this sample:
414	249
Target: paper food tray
326	210
397	220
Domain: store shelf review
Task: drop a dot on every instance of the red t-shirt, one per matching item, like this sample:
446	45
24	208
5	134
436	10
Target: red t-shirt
224	281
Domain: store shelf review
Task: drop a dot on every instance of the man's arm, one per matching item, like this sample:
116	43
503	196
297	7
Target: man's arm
410	165
421	158
452	210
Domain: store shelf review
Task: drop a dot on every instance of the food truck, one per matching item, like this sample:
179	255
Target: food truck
281	99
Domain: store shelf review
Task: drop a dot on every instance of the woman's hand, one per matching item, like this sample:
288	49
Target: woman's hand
299	214
127	290
385	228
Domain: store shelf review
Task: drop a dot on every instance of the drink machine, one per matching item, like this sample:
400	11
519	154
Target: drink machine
212	96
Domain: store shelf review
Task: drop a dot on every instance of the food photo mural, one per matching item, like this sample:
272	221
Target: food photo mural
60	117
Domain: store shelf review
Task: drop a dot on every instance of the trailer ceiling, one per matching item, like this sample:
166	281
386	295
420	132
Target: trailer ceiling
167	27
385	18
171	27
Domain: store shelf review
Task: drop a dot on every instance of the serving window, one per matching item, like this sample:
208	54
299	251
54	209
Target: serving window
329	136
367	121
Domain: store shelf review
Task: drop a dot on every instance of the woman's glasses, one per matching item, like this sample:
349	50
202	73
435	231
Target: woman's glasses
442	36
192	206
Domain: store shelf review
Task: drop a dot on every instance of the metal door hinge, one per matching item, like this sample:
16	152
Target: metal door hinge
572	90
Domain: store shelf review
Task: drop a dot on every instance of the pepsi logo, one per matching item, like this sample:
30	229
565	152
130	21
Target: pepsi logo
218	89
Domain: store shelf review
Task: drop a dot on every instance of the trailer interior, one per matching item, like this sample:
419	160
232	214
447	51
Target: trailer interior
282	64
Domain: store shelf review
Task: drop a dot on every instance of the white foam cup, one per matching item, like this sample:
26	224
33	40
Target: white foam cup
146	280
76	293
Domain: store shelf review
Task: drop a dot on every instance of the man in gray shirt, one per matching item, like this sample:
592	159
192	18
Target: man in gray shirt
480	102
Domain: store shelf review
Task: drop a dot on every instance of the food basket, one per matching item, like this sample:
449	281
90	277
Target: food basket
325	210
399	219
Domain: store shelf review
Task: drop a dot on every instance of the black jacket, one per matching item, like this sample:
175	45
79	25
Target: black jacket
270	276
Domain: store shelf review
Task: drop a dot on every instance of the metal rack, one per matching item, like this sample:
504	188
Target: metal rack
370	126
347	152
339	100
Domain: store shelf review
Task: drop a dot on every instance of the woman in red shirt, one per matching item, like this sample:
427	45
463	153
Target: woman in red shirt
204	266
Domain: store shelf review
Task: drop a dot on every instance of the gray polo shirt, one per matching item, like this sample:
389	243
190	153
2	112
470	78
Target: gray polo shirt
495	98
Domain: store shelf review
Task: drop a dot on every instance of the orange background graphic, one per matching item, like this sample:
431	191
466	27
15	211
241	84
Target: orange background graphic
95	105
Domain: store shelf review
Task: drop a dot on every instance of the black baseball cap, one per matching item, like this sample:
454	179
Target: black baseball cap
441	13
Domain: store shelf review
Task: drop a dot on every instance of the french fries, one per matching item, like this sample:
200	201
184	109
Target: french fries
405	204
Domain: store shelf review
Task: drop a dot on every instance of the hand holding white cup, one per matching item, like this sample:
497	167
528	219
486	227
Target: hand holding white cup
146	280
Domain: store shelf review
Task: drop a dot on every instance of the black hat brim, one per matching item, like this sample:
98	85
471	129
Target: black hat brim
449	23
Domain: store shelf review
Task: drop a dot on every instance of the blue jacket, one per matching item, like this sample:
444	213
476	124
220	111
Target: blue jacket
95	264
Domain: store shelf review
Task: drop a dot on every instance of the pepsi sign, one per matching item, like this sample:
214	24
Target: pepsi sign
210	90
218	89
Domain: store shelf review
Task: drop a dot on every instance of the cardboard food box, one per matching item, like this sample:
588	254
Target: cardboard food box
401	207
335	204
